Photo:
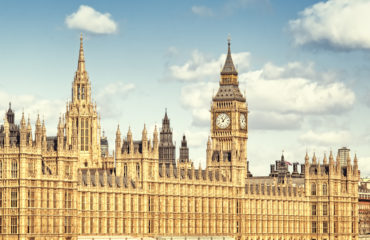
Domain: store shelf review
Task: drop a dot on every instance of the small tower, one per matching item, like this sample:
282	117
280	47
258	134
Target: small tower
167	151
184	150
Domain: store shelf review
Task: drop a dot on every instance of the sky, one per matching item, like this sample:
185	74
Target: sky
303	65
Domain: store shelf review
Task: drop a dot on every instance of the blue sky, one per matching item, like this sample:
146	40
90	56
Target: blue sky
304	66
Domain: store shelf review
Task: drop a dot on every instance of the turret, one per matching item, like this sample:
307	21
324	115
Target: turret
38	132
331	161
155	138
60	135
118	141
29	132
23	131
355	166
7	132
44	143
74	136
325	161
314	160
144	140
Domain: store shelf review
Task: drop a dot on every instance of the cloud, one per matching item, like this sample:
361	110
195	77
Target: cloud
33	105
111	96
199	67
325	138
364	166
338	24
274	120
295	94
280	96
88	19
202	11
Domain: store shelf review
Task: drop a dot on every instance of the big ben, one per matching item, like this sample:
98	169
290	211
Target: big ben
227	147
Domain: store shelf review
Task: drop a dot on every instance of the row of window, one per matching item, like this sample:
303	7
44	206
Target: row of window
14	169
136	226
13	224
315	229
324	189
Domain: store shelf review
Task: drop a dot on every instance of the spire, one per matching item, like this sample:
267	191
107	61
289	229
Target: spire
325	161
118	132
331	158
314	159
81	57
144	134
23	122
229	68
306	158
10	114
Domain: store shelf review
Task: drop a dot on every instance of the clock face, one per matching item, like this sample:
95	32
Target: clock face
243	121
223	120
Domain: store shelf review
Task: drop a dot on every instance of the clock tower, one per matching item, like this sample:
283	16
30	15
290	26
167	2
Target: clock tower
227	147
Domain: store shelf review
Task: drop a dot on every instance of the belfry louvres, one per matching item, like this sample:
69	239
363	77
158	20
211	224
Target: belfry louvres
68	187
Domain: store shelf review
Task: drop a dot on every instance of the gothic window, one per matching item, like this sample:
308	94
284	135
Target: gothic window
1	198
138	170
14	224
54	200
67	224
116	202
84	135
68	171
324	189
108	203
313	209
31	198
91	224
14	169
68	199
30	224
83	201
14	198
325	227
83	225
1	224
100	197
125	170
78	91
1	169
313	189
91	201
83	92
31	168
313	227
325	209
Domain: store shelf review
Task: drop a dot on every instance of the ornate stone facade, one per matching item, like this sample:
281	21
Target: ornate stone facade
63	187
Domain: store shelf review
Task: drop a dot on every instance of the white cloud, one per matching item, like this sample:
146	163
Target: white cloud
333	138
88	19
339	24
280	96
200	67
364	166
202	11
32	105
274	120
295	94
111	96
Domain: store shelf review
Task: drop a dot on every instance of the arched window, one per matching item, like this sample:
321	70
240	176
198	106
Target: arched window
324	189
138	170
83	92
1	169
125	170
14	169
313	189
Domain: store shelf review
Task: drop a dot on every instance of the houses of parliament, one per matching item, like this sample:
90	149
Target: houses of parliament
69	187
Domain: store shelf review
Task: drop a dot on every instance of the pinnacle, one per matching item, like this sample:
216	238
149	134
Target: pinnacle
229	68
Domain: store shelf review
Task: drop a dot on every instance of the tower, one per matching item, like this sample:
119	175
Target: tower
82	122
167	151
184	150
229	128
